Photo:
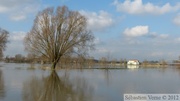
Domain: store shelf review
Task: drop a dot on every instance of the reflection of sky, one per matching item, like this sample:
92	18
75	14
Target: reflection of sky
107	85
130	81
14	79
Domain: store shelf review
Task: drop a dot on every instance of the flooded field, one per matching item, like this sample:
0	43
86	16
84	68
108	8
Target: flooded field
19	83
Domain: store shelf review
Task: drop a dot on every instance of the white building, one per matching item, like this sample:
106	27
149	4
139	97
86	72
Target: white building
133	62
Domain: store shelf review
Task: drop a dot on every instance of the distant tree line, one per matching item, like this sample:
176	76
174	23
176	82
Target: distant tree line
19	58
77	61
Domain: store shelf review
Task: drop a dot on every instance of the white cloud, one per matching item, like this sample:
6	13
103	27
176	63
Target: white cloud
15	44
150	49
176	20
103	50
163	36
17	17
133	42
136	31
177	40
156	54
155	35
98	21
3	9
97	41
137	7
17	36
19	9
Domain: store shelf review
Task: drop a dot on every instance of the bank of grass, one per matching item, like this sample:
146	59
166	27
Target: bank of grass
153	66
106	66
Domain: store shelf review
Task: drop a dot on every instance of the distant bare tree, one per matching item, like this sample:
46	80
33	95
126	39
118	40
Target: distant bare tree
91	61
3	40
57	33
113	62
19	58
103	60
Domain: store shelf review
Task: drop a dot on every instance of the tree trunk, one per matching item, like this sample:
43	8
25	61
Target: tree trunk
54	65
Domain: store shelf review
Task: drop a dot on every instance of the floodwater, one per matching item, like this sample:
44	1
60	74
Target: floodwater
18	83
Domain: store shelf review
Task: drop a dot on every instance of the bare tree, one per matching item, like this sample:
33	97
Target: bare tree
114	62
103	60
57	33
91	61
3	40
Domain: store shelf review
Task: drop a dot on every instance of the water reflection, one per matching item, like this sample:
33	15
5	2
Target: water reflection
54	88
2	88
132	66
107	75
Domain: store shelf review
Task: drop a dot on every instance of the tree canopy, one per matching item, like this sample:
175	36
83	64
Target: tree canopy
58	32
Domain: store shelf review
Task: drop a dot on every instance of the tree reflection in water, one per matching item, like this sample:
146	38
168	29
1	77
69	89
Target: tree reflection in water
2	88
107	75
53	88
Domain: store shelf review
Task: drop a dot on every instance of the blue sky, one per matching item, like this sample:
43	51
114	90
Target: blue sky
123	29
